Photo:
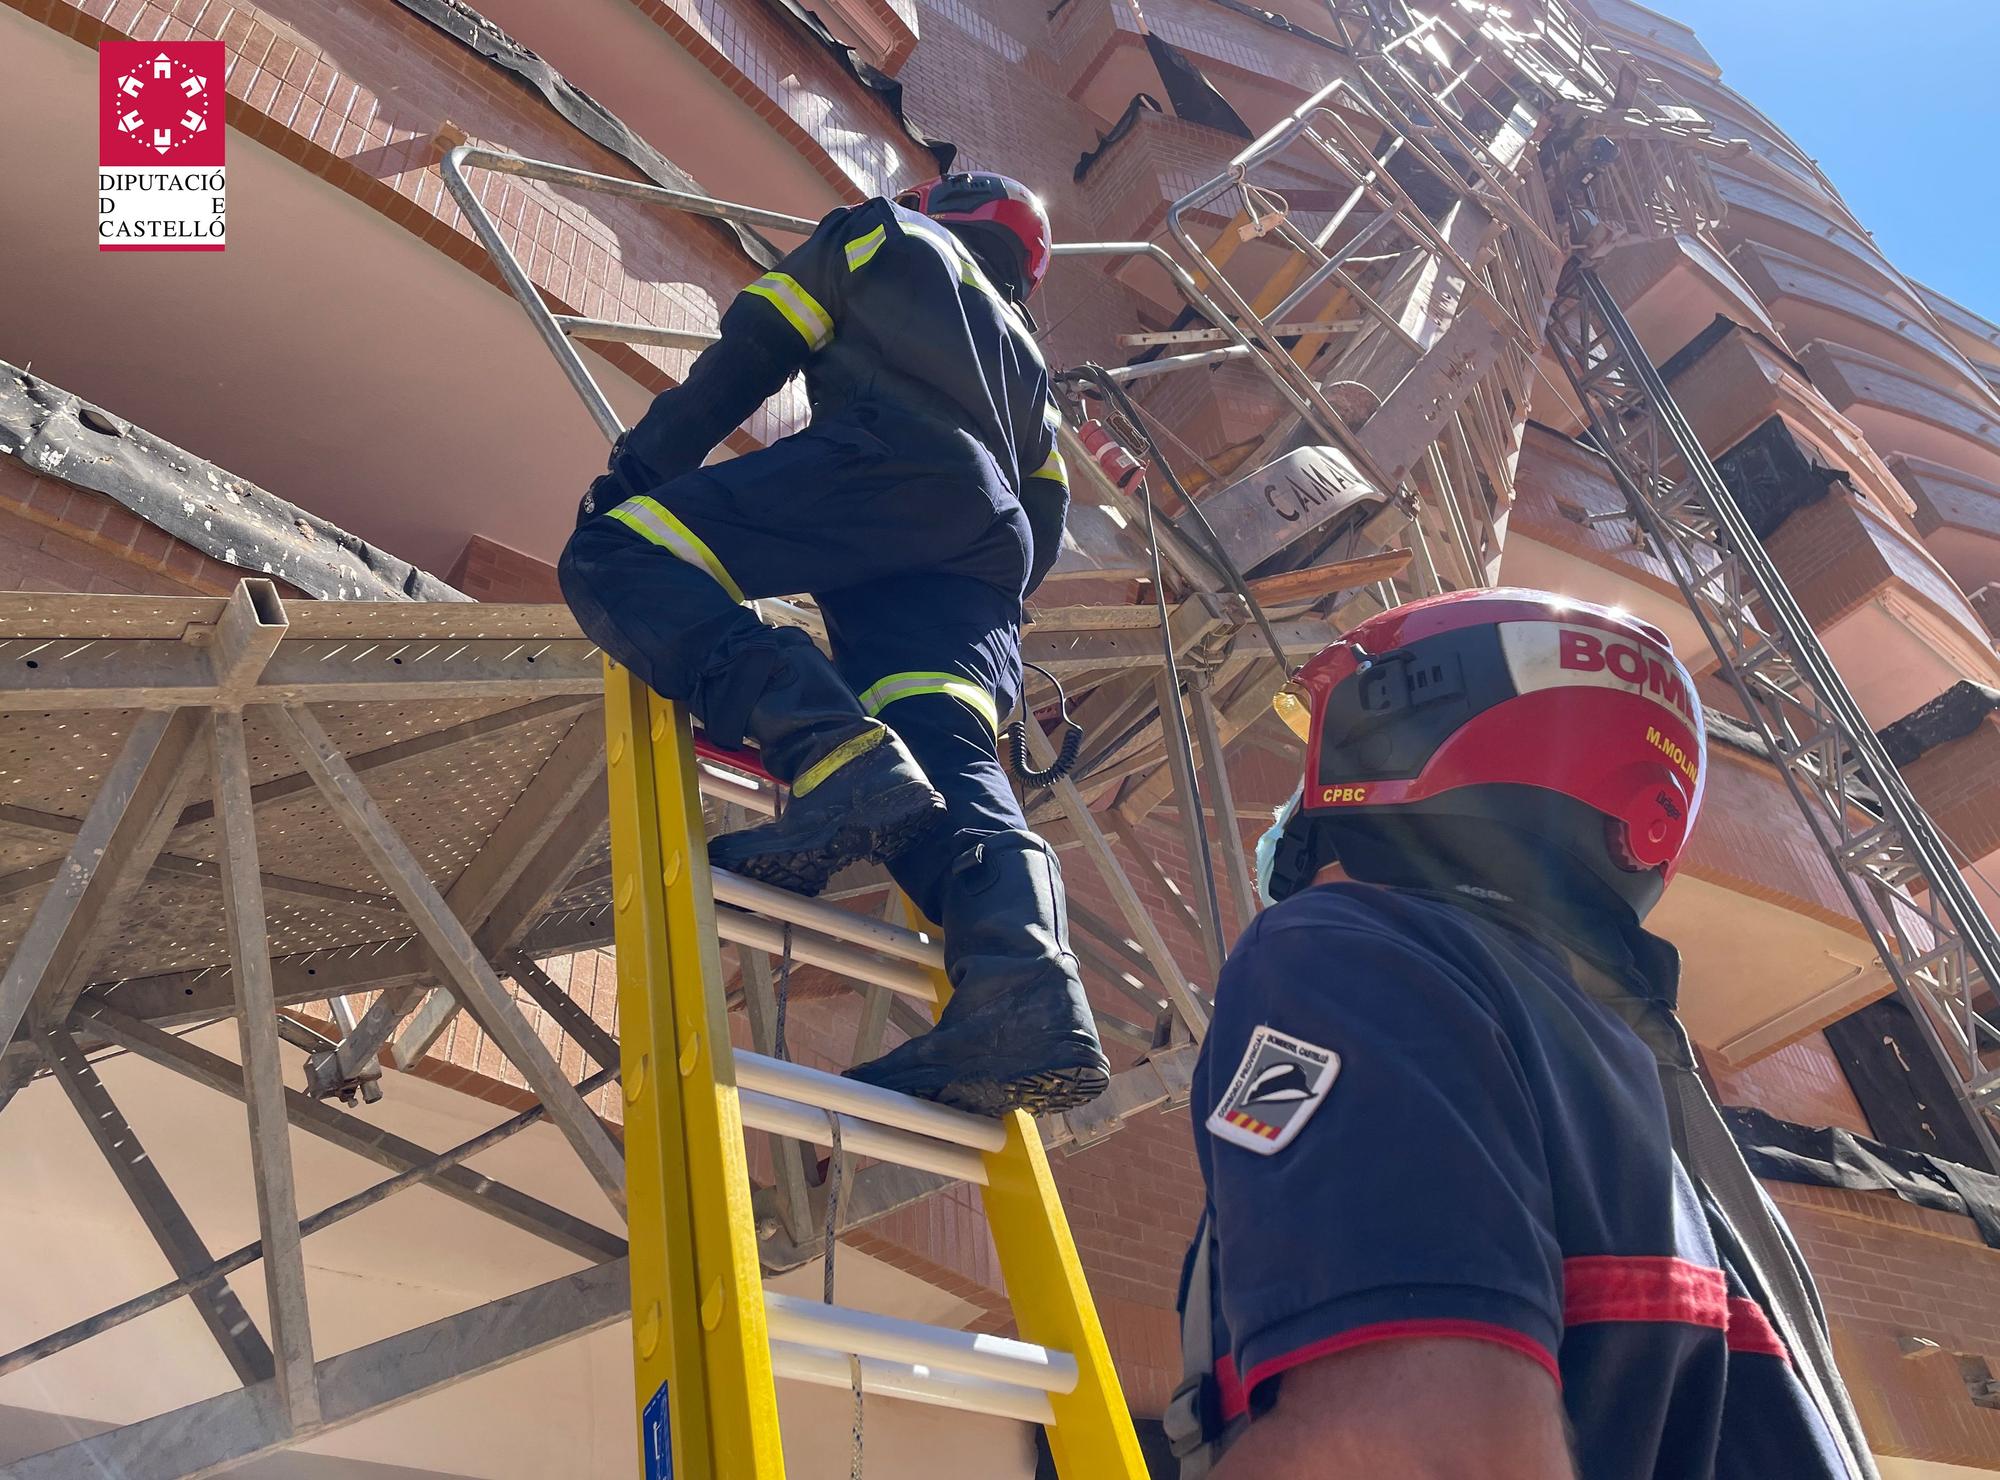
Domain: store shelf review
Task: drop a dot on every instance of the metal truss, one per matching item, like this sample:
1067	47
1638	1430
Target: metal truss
1892	862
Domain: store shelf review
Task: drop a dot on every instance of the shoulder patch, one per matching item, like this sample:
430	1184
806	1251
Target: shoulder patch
1275	1091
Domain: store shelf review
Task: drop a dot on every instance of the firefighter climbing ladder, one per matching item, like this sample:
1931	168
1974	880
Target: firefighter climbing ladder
708	1341
1894	865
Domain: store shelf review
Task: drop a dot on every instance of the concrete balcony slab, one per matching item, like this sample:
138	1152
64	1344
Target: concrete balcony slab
1731	381
1896	626
1564	535
1654	35
1761	211
1976	338
1958	516
1673	288
1957	425
1809	302
1769	949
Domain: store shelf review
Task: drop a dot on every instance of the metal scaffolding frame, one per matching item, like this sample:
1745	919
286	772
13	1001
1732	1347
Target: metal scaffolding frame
185	894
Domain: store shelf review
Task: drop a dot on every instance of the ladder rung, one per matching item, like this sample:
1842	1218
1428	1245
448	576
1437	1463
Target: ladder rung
859	930
863	1137
998	1358
917	1384
885	1107
614	332
903	977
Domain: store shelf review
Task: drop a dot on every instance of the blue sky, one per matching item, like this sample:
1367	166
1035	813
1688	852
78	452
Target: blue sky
1900	104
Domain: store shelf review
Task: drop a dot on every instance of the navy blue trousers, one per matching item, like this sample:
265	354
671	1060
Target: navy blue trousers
916	553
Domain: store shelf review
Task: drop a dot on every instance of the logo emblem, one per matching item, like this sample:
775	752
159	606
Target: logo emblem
160	145
1276	1090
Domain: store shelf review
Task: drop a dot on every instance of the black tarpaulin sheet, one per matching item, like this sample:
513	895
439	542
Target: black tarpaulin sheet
1192	95
1904	1091
1773	477
885	87
1952	715
468	27
60	436
1822	1156
1141	103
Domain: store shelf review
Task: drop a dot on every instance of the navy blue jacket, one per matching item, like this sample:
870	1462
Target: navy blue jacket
896	327
1491	1160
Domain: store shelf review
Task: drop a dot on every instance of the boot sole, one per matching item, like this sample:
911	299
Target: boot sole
1044	1092
805	866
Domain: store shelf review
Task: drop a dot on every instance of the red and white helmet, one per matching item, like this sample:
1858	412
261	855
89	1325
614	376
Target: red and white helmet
996	207
1569	723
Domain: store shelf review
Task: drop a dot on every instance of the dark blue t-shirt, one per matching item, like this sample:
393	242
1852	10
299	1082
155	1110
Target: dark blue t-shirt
1414	1122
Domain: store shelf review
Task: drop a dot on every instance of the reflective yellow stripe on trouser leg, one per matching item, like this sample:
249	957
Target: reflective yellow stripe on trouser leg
884	692
651	518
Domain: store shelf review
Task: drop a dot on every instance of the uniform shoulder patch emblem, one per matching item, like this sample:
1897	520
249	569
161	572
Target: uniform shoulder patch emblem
1275	1091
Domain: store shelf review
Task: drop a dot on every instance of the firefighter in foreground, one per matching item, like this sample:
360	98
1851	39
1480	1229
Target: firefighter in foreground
920	507
1448	1233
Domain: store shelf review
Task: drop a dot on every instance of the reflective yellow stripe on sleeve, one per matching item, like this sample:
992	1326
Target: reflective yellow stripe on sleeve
801	310
880	695
863	248
1054	468
651	518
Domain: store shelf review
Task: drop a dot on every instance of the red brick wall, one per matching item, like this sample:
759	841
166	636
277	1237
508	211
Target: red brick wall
1886	1270
487	570
55	536
1802	1082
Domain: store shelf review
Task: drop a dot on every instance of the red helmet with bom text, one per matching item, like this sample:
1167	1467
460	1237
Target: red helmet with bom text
993	209
1570	724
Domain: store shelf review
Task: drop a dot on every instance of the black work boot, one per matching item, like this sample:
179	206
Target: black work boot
1017	1033
857	793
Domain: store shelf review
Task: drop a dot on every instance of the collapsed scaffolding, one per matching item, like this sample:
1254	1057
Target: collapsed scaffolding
1389	262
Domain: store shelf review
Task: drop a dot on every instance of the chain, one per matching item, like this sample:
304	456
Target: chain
834	1168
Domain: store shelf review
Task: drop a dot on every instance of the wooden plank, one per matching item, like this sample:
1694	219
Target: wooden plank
1319	581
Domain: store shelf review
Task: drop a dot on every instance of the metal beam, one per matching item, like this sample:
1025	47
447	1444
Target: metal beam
170	868
200	993
362	1137
121	835
485	726
243	1346
1209	929
571	778
220	1433
263	1075
792	1189
1187	1001
157	674
470	974
548	994
1222	807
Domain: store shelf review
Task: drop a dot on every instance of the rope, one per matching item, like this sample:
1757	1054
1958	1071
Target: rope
781	990
834	1168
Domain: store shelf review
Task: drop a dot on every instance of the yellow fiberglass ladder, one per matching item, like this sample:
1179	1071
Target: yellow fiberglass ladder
708	1341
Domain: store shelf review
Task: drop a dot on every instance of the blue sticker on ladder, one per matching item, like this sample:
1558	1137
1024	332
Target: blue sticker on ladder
655	1433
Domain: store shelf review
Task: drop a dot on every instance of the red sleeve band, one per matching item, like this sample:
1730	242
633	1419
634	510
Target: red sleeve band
1236	1394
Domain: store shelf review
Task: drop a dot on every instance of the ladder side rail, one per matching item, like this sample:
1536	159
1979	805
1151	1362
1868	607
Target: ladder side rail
697	1298
1590	357
1092	1436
